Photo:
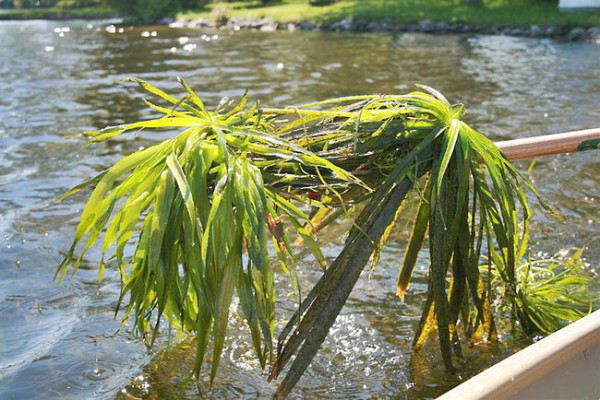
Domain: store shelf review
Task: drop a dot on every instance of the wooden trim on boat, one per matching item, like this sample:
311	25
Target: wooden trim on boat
569	142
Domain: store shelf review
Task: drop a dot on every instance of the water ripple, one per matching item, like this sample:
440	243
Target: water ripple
62	342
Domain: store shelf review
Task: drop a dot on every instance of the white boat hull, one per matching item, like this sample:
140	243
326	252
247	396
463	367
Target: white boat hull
562	366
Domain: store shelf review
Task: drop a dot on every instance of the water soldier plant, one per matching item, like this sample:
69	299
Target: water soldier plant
551	292
202	209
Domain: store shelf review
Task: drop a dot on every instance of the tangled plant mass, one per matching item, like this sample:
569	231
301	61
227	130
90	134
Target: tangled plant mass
203	207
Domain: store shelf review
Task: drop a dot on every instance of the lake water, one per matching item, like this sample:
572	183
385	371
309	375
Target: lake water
59	78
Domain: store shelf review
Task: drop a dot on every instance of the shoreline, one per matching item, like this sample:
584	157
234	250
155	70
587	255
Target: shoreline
351	25
346	25
57	15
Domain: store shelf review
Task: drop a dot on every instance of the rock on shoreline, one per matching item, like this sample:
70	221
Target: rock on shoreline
425	26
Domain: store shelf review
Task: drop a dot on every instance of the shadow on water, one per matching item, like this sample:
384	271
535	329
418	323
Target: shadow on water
60	78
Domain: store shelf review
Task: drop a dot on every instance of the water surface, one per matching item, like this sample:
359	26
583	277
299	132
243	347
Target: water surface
59	78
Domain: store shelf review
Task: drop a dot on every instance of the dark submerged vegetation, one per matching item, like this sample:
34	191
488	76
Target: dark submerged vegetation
204	207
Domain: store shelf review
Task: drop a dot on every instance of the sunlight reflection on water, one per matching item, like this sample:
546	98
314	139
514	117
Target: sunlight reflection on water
62	341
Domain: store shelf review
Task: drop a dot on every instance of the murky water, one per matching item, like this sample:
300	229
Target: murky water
60	78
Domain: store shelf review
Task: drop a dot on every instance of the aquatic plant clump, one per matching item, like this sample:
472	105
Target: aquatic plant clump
202	208
551	292
206	220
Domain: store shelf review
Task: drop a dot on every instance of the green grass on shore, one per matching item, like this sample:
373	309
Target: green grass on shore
506	13
520	14
58	13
